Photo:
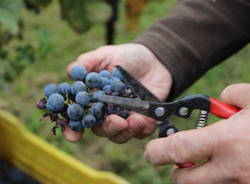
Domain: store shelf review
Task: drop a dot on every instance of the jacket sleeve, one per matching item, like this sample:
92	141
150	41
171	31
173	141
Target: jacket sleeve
198	35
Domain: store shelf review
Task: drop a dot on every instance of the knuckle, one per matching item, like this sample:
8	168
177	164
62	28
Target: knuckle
176	146
81	57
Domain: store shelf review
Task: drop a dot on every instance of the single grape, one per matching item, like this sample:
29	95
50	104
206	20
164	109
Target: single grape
105	82
41	104
105	73
88	121
77	87
123	113
118	86
64	88
115	79
83	98
97	110
75	125
94	80
78	73
55	103
111	109
75	112
107	89
96	95
50	89
116	73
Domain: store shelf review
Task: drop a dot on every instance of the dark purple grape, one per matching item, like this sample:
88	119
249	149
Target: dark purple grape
78	86
107	89
97	110
105	82
123	113
96	95
78	73
55	103
50	89
105	73
117	86
75	112
116	73
88	121
94	80
64	88
75	125
41	104
83	98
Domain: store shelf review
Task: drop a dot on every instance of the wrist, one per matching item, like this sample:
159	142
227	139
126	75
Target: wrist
160	72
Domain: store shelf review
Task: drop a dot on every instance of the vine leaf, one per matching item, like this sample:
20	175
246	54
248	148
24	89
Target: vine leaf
10	15
74	12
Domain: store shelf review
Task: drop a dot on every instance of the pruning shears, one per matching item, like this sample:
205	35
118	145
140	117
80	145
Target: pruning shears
149	105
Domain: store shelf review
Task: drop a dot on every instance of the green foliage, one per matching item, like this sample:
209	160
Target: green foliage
14	60
10	16
74	12
64	46
23	55
38	3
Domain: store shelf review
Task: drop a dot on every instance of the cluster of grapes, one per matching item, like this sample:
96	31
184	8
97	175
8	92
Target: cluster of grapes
77	105
12	175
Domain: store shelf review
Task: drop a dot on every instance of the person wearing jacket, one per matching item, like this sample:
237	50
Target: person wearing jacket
167	59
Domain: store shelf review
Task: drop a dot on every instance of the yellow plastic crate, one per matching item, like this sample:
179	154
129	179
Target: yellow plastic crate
44	162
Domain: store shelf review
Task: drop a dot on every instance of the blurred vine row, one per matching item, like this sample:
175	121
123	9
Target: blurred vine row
81	15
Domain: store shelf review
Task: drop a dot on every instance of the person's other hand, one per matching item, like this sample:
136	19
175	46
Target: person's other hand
225	144
144	66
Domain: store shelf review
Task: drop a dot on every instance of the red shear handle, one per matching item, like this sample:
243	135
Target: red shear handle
221	109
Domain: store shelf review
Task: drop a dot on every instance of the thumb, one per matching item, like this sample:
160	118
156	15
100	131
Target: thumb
95	60
182	147
237	95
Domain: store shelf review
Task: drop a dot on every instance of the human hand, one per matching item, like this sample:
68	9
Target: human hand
144	66
225	144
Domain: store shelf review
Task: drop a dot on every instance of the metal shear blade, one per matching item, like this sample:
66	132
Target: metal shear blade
137	87
127	103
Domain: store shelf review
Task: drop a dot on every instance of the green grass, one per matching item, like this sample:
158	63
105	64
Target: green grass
125	160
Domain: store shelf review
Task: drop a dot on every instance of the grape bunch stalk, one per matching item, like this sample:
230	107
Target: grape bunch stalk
76	105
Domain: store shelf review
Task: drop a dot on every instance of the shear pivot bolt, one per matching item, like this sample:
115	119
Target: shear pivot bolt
159	111
170	131
183	111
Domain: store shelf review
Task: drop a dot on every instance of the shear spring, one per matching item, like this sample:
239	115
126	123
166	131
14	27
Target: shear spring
202	120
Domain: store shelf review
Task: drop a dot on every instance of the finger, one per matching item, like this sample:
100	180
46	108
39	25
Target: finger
137	124
205	174
182	147
141	125
72	136
237	95
123	137
93	61
112	126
